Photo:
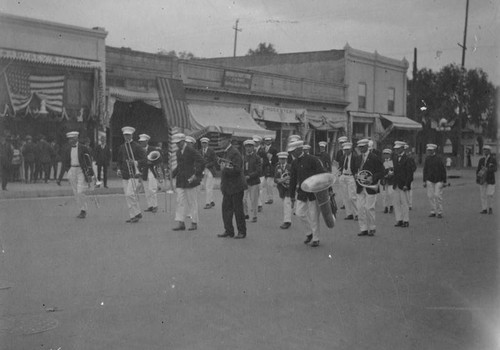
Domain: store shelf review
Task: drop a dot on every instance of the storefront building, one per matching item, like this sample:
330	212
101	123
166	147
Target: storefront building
53	78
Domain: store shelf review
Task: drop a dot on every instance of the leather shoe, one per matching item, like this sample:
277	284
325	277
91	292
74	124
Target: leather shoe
149	209
240	236
349	217
212	204
254	219
82	214
371	233
247	217
154	210
269	201
386	210
134	219
407	224
432	215
484	211
490	211
225	234
58	183
439	216
391	209
355	218
193	227
139	216
399	224
342	207
363	233
207	206
180	227
259	209
309	238
315	243
285	225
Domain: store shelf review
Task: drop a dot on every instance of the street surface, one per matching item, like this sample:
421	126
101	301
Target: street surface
100	283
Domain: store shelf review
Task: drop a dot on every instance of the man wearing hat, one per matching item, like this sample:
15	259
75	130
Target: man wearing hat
6	153
210	159
403	177
304	166
347	169
434	177
77	161
102	158
259	150
324	156
252	168
28	152
148	178
340	153
307	149
367	197
189	172
485	175
131	158
233	186
282	180
388	181
413	163
268	165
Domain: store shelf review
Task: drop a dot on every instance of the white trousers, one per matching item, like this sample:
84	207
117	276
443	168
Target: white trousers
401	205
151	190
78	185
486	192
410	198
388	196
308	213
261	190
348	194
187	204
267	189
366	210
287	209
435	195
208	183
250	200
132	197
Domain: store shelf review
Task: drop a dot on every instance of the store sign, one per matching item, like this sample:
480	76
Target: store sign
48	59
239	80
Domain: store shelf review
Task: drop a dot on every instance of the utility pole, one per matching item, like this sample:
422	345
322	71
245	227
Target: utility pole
236	30
463	46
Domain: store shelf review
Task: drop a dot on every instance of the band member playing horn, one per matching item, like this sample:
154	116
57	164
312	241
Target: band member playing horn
304	166
268	165
388	182
282	180
485	178
434	177
77	161
367	190
347	169
259	150
210	159
403	176
252	168
131	157
338	158
189	172
148	178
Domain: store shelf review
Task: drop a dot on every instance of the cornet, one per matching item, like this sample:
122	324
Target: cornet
226	163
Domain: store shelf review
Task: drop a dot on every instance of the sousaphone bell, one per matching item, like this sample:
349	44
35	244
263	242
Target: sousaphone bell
319	185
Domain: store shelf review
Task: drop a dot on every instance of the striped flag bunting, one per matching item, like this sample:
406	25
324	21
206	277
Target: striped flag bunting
173	102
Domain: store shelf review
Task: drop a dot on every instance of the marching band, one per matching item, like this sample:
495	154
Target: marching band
304	181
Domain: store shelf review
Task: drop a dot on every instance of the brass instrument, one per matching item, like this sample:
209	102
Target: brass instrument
364	178
320	185
90	178
285	179
222	162
133	170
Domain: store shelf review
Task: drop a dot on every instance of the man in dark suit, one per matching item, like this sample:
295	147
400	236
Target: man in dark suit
488	165
304	166
130	159
324	156
188	174
232	186
434	178
45	154
5	160
29	155
252	168
367	197
77	161
102	160
210	159
402	179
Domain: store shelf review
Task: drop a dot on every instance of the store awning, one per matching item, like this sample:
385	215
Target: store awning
402	123
276	114
326	120
227	120
123	95
364	117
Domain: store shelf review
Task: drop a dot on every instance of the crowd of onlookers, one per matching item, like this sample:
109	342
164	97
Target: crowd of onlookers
30	160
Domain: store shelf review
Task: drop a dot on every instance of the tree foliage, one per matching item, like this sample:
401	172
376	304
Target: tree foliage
263	49
183	55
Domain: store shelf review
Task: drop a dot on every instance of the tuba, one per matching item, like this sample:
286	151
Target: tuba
364	178
319	185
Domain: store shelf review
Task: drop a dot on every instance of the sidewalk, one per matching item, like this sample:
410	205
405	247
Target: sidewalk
51	189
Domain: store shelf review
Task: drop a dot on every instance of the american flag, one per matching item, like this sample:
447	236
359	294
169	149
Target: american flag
173	102
23	85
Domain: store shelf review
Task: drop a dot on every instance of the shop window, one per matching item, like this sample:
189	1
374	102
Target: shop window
362	95
391	94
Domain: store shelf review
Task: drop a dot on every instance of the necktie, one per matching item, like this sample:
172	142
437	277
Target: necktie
345	162
364	160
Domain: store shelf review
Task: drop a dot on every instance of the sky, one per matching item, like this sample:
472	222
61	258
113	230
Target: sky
393	28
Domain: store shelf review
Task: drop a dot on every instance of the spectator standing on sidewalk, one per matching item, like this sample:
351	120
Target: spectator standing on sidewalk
5	160
485	175
434	180
29	155
55	158
17	160
45	154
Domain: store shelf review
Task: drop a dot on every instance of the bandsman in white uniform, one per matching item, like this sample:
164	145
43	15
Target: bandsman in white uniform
210	158
434	178
148	179
282	180
347	169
